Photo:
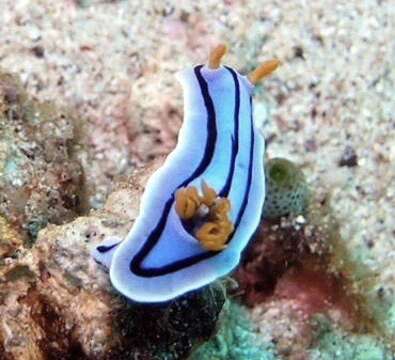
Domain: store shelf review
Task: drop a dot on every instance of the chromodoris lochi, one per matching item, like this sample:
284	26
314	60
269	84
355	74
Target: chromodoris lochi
203	205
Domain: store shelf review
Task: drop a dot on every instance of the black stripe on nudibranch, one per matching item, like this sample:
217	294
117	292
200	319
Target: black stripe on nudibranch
105	248
211	129
235	139
153	238
249	178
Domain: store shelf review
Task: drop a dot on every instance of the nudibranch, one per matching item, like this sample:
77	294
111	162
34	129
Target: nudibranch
202	206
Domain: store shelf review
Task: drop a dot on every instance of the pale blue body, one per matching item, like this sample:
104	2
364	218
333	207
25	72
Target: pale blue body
175	243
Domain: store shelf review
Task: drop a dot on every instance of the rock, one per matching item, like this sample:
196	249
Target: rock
57	302
10	239
38	51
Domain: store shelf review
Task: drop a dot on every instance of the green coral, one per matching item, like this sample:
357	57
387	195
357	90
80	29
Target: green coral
235	339
391	318
335	344
286	189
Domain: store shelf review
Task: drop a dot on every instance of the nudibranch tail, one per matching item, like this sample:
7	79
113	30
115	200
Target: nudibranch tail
263	70
201	208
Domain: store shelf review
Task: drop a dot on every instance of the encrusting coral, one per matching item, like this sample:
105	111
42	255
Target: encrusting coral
287	191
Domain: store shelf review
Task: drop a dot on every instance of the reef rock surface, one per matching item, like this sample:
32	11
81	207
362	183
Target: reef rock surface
57	303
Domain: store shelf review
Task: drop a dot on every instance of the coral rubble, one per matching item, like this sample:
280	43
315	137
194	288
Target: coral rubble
40	178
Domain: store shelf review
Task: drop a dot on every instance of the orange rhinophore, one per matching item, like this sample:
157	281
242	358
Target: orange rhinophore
263	70
214	59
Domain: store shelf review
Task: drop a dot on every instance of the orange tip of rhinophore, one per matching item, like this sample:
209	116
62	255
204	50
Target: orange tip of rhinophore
263	70
214	59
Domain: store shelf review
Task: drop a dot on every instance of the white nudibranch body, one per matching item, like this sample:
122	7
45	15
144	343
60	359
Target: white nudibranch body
219	144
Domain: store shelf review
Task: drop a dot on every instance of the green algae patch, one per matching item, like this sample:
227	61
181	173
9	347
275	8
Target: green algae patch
236	339
334	344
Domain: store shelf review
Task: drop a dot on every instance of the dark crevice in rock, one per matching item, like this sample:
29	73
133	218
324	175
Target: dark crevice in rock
57	342
171	330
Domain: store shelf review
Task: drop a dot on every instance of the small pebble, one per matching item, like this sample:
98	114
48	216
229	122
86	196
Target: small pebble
38	51
349	157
